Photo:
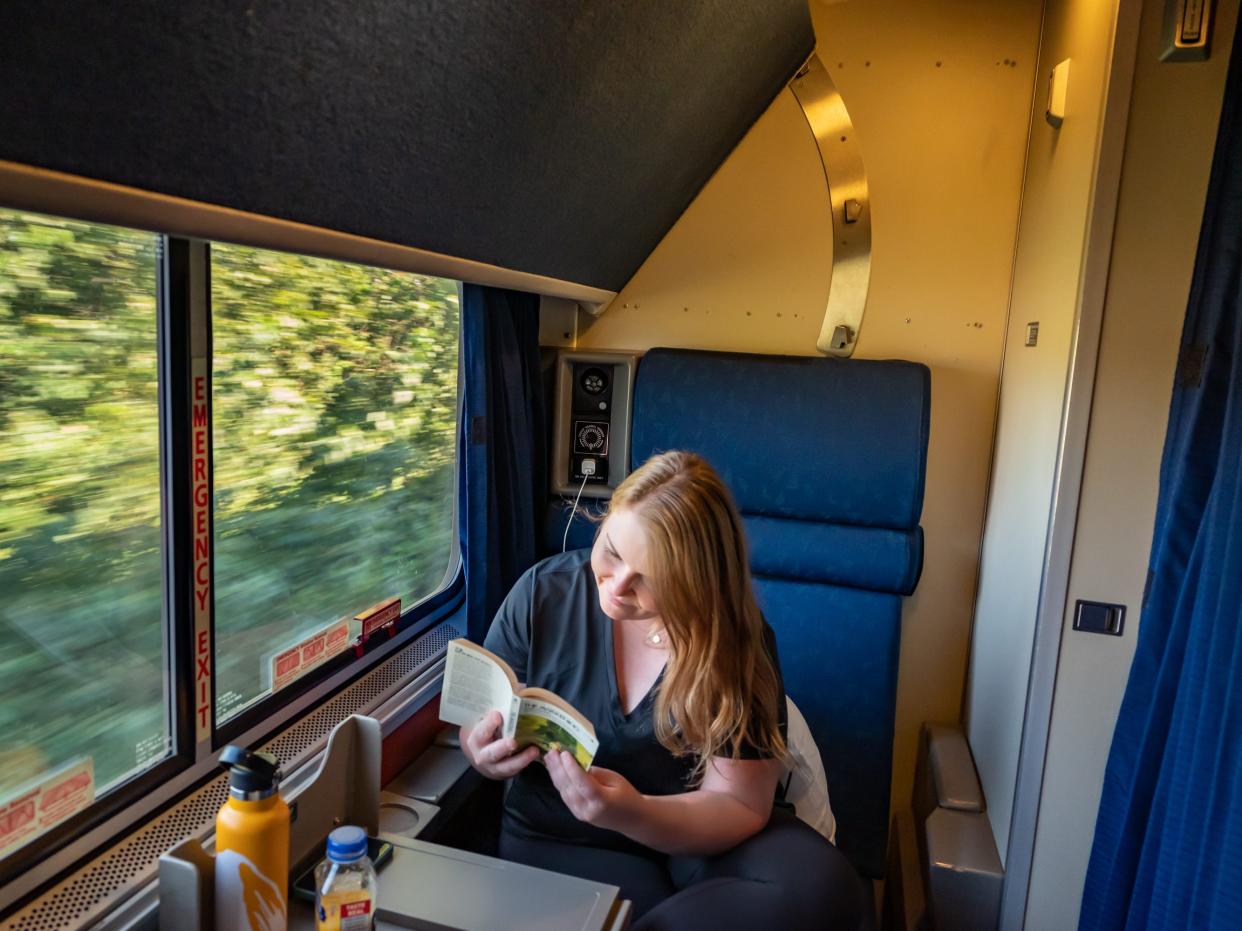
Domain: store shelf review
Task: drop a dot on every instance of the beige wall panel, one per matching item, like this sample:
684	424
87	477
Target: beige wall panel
940	96
1172	130
1060	172
746	266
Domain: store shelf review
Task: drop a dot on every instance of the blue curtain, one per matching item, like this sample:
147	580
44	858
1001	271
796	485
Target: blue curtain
503	476
1168	840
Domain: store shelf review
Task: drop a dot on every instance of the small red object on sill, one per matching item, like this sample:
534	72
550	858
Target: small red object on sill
382	616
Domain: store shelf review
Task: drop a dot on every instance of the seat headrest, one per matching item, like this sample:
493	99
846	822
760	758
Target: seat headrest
839	441
874	558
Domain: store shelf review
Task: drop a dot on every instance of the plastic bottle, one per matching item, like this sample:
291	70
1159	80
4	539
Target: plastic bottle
252	845
345	884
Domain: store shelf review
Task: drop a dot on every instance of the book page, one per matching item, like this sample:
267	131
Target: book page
475	682
543	721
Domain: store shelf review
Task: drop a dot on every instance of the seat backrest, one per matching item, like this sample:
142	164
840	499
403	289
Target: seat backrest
826	460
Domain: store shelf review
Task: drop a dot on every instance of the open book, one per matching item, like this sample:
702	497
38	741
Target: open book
477	681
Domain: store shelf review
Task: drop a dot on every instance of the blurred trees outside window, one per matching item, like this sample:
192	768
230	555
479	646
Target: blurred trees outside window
334	398
334	393
81	642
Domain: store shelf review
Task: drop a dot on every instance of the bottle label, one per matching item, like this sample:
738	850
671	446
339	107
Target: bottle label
246	900
344	911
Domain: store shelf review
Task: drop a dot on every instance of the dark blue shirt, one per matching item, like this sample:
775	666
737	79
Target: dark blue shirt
554	634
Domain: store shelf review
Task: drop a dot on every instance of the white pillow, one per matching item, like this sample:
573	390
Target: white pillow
806	786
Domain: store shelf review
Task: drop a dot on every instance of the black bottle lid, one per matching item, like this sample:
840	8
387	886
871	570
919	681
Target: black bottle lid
252	775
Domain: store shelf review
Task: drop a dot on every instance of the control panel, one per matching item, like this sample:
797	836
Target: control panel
592	422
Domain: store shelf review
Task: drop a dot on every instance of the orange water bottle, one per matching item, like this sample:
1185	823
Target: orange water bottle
252	846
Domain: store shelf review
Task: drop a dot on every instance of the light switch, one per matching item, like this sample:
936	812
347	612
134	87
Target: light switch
1098	617
1058	94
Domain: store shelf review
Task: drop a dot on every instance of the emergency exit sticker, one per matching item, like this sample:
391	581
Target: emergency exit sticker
200	488
42	806
305	655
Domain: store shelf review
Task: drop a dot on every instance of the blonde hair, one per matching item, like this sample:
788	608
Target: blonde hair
720	690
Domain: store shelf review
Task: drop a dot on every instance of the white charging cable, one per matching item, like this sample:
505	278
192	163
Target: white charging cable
588	469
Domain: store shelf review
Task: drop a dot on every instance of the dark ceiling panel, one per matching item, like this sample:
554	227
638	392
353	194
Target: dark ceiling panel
562	137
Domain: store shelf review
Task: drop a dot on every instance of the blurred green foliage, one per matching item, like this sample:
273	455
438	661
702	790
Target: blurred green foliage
335	414
334	424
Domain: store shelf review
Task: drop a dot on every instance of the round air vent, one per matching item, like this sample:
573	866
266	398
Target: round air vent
593	380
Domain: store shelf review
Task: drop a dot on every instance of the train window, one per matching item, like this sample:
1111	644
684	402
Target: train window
82	664
334	406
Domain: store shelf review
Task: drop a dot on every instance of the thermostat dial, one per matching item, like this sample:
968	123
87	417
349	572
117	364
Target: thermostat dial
591	437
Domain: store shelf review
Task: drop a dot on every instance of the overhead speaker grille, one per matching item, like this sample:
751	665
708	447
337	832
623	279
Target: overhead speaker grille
105	881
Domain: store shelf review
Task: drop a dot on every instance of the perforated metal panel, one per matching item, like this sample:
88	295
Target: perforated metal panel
86	895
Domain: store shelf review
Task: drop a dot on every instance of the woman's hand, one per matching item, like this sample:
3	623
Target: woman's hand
494	756
601	797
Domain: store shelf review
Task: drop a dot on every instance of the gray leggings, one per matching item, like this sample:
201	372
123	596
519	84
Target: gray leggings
786	876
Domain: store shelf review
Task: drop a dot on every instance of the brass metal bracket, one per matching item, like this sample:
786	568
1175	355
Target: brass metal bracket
846	177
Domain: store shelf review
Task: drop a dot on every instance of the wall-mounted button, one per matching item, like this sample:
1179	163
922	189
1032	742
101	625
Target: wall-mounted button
1098	617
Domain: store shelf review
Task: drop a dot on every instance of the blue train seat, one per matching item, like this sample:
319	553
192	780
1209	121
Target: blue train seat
826	459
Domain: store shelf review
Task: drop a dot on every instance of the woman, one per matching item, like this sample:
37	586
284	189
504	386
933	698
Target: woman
657	639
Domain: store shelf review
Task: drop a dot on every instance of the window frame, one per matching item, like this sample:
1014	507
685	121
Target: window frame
183	297
169	333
